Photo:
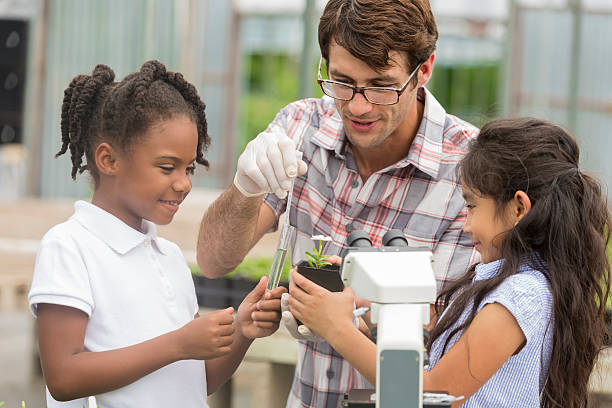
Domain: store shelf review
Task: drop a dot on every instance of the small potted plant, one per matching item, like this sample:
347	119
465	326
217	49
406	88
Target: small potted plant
318	270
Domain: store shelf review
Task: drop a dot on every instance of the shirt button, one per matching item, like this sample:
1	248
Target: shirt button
147	242
354	183
330	373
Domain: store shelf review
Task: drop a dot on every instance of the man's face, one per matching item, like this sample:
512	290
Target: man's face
368	126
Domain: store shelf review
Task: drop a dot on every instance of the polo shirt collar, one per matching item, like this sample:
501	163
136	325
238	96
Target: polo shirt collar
431	131
112	231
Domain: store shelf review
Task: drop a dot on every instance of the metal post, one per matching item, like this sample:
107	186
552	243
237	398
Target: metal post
572	110
509	62
35	104
306	63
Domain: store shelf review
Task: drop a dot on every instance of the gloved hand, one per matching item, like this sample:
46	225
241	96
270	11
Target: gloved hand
300	332
267	165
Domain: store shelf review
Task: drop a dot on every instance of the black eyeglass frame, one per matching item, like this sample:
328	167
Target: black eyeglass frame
362	89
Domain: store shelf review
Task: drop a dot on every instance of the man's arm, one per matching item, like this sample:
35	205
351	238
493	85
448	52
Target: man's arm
231	226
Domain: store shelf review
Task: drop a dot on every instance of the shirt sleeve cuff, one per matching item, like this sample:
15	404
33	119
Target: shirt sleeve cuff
59	300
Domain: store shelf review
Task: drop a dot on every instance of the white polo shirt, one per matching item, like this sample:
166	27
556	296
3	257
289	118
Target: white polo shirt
133	286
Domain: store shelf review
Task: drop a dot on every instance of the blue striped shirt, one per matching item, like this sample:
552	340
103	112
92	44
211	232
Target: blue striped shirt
519	382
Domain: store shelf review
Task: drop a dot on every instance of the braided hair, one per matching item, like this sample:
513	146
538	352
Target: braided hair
97	109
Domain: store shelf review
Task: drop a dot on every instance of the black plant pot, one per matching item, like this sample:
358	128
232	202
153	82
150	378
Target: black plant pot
223	292
327	277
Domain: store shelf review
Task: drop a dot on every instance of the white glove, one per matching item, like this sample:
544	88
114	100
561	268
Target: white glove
267	165
300	332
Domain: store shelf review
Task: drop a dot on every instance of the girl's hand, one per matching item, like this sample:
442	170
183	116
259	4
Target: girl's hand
259	313
326	313
207	337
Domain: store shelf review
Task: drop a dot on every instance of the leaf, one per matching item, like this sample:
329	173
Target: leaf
324	263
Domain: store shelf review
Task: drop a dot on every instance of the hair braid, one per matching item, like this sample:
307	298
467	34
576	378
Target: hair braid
189	92
95	109
78	109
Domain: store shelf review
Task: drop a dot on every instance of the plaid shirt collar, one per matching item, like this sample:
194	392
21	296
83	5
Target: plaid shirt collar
430	130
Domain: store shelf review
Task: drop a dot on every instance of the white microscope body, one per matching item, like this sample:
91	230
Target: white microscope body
399	281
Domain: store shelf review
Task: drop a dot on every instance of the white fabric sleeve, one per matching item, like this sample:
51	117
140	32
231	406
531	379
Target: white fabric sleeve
60	275
527	299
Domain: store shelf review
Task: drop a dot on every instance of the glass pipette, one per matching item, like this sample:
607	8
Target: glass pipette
281	251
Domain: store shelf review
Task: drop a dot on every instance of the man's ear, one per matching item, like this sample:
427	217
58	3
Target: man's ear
426	70
521	205
106	159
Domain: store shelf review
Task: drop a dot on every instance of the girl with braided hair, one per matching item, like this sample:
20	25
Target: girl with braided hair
116	310
523	328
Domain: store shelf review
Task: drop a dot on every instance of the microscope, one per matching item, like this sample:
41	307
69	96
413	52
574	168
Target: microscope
399	282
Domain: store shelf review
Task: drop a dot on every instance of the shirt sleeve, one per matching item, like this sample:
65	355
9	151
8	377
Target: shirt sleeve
60	275
527	298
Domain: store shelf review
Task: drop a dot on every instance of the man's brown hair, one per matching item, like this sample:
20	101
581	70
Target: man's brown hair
370	29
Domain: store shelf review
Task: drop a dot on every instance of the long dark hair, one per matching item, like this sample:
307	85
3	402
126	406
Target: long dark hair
97	109
568	226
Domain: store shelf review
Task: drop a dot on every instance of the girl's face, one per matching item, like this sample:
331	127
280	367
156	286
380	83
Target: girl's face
485	224
154	176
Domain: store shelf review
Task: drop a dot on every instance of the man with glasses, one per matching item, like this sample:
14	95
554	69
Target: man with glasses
378	152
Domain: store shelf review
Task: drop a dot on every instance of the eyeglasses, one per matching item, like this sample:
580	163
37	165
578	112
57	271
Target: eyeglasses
377	95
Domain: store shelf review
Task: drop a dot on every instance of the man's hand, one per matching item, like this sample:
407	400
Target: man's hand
267	165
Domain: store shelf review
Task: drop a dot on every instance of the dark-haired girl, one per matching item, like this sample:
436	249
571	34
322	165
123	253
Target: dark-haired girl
116	309
522	328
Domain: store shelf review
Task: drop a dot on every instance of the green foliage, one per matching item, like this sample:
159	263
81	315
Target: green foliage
253	268
315	258
469	91
270	82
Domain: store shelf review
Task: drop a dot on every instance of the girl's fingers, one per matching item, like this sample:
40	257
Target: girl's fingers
265	316
334	259
267	325
272	305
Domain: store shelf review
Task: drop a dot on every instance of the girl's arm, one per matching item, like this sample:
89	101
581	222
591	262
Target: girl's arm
257	316
493	336
330	315
71	372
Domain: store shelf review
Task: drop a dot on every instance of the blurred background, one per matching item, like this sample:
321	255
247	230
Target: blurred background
249	58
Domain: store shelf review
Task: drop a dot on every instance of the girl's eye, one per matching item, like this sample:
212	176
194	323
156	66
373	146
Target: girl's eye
191	170
470	206
166	169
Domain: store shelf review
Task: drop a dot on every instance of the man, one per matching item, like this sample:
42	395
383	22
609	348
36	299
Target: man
379	152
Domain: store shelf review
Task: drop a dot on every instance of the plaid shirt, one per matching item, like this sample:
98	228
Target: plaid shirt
418	194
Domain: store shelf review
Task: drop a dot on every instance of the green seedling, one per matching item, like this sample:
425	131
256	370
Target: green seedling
316	257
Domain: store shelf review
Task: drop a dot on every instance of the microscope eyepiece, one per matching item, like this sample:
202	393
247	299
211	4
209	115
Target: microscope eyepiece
395	238
359	238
